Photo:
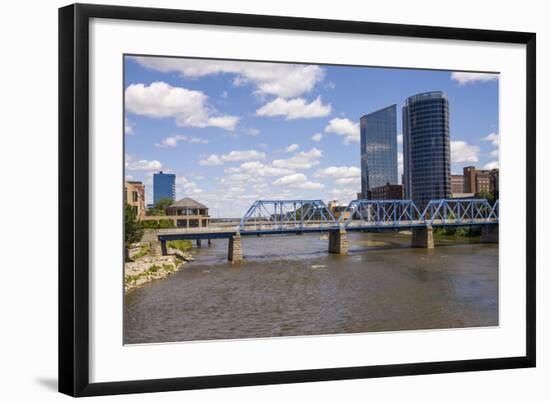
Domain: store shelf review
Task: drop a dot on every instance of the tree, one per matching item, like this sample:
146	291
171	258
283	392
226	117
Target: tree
159	209
132	229
487	195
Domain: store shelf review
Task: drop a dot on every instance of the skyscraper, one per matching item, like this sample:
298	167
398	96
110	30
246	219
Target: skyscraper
426	148
378	149
164	186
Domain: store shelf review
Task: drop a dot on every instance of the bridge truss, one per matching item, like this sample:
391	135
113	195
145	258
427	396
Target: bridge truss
380	214
280	216
287	215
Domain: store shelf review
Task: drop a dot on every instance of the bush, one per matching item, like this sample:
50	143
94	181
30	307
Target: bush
180	245
156	224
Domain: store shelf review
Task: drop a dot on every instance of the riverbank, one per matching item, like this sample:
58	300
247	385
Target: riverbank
144	267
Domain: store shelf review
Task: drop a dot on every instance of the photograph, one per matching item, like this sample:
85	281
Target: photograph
267	198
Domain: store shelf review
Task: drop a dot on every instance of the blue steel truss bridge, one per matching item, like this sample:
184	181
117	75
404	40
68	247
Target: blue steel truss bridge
287	217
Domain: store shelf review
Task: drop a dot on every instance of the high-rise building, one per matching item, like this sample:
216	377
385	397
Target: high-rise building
378	149
164	186
426	148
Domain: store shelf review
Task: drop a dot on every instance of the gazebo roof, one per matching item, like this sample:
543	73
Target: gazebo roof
188	203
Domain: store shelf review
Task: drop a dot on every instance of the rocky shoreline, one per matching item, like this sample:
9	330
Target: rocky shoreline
147	268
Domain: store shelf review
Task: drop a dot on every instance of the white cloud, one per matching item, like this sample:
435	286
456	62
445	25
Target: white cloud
212	160
317	137
297	180
128	126
172	141
256	168
300	161
189	108
400	139
341	175
345	127
184	186
283	80
141	165
252	131
462	152
464	78
491	165
233	156
292	148
494	138
399	164
294	108
339	172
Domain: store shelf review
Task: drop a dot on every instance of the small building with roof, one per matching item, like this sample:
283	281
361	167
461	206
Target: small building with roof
185	213
188	213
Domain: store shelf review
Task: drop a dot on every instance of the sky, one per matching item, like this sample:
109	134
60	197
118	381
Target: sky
234	131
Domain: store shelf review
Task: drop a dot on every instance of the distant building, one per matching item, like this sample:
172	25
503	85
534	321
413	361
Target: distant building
164	186
387	192
457	184
338	210
134	195
493	174
426	148
185	213
476	181
378	149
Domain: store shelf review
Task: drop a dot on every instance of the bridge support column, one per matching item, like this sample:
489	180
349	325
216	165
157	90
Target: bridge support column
235	251
423	237
209	242
158	248
199	243
489	233
338	242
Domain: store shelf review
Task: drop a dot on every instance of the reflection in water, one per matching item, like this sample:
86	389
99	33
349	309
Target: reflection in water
291	285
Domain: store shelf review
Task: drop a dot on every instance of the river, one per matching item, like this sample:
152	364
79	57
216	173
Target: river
291	285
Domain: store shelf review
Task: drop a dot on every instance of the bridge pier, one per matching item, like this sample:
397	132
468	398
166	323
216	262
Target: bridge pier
158	248
199	243
489	233
235	250
423	237
338	242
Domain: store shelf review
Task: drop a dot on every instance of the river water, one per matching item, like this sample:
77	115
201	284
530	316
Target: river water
291	285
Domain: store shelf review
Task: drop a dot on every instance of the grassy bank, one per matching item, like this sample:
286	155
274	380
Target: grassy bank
180	245
466	232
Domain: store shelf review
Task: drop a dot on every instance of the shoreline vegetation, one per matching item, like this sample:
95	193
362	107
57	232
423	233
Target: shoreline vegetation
141	267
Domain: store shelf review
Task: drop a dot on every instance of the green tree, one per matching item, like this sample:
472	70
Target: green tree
159	209
487	195
132	229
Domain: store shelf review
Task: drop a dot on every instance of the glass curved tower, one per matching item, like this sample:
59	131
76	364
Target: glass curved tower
426	148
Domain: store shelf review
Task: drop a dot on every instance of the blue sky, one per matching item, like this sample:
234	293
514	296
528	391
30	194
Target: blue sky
234	132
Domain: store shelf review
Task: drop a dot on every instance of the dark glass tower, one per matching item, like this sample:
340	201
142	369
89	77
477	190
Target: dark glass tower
378	149
164	186
426	148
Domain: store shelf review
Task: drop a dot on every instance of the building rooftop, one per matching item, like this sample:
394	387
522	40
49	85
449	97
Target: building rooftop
189	203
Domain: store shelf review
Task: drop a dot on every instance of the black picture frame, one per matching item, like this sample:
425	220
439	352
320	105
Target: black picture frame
74	201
